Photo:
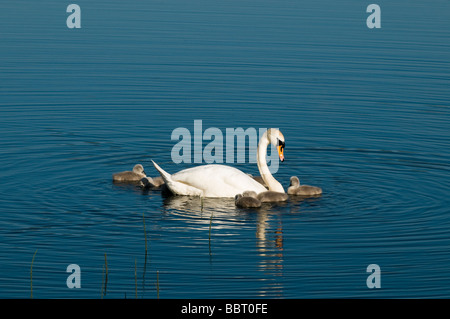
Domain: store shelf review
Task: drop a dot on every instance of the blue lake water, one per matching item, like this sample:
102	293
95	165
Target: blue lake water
365	113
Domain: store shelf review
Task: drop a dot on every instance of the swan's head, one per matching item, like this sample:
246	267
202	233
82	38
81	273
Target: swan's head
138	169
276	138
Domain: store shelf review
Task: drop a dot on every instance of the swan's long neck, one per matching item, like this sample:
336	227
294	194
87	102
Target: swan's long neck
271	182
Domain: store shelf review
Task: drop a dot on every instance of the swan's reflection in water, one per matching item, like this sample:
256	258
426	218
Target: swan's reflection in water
268	232
269	244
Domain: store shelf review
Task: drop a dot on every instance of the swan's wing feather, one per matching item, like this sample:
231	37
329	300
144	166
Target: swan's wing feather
217	180
176	187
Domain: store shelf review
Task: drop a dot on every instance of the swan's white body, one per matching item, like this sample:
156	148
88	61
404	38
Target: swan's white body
225	181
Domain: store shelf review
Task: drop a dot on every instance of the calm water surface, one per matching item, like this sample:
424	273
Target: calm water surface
365	114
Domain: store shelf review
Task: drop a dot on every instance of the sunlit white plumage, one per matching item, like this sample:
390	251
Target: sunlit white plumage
216	180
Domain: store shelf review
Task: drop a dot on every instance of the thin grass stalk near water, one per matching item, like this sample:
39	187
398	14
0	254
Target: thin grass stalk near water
146	254
135	279
209	237
103	282
104	277
145	236
31	275
157	284
210	224
106	272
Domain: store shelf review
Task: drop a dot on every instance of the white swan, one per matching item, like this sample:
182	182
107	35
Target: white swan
215	180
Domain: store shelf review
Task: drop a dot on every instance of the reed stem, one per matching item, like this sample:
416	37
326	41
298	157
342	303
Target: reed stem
135	279
210	224
106	277
157	284
145	234
209	237
31	275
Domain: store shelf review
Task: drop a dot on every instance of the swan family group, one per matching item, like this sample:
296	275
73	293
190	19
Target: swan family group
215	180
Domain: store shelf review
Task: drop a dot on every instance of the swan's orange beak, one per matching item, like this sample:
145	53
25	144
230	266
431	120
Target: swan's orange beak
280	149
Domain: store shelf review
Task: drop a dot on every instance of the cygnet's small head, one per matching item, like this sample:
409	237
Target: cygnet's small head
237	197
295	181
146	182
277	138
138	169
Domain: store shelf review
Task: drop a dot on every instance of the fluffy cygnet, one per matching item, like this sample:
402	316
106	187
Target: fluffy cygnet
244	201
130	176
267	197
271	196
305	190
151	182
